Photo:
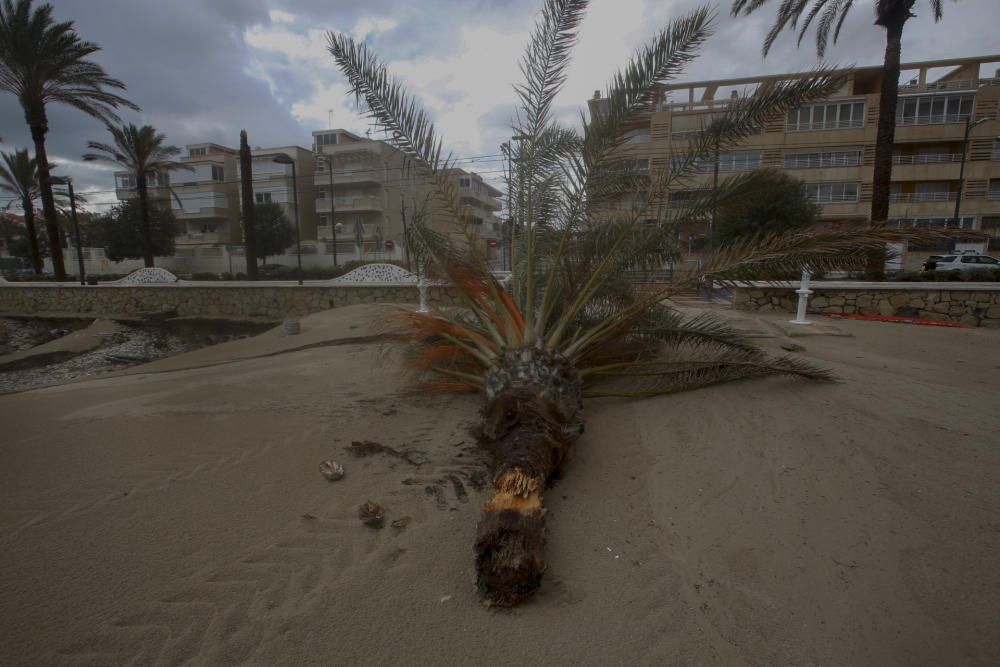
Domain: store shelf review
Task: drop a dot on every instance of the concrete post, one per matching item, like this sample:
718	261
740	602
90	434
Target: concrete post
803	291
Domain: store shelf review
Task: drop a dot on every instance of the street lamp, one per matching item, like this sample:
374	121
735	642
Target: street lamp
284	158
68	182
969	124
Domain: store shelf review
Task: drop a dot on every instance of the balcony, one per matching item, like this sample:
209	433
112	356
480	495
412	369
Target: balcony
932	119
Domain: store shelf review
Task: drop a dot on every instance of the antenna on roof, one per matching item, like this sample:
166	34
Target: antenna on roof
329	119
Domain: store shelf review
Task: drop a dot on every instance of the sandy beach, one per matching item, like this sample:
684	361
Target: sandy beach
174	513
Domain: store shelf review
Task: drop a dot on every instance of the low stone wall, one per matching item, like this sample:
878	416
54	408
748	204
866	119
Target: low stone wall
976	304
263	300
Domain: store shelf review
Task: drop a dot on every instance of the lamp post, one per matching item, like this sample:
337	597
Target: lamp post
284	158
68	182
969	124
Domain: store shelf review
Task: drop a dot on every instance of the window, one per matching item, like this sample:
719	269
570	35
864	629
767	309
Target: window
321	192
994	189
465	182
822	160
320	164
832	193
931	109
640	136
263	197
996	150
126	181
208	228
827	117
217	174
638	165
326	139
197	152
745	161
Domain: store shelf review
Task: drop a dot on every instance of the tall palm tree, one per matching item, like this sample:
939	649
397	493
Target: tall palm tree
19	178
42	61
889	14
569	326
142	152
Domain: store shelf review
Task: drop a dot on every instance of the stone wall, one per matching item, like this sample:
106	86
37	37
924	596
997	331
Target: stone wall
976	304
206	300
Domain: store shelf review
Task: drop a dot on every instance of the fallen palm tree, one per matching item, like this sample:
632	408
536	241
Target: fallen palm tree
569	324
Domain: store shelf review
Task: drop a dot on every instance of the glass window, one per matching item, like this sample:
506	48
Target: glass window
326	139
822	160
827	117
263	197
217	173
832	193
640	136
929	109
196	152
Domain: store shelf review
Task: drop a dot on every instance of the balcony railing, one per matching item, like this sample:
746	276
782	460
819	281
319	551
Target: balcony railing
932	119
917	197
835	199
935	158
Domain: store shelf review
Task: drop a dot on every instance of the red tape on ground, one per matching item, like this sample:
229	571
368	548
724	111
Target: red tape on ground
899	319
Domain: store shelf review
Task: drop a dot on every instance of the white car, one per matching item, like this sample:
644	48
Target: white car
962	263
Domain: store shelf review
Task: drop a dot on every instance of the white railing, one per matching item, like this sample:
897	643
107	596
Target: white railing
932	119
825	125
921	196
964	84
835	199
934	158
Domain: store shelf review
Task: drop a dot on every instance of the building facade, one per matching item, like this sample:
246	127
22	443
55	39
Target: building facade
366	190
830	145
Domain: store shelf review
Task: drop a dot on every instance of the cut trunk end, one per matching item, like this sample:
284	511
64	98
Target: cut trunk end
509	560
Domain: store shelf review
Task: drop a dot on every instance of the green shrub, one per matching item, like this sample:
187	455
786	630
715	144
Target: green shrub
204	276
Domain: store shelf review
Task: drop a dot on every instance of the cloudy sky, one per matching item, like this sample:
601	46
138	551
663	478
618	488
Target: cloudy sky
203	69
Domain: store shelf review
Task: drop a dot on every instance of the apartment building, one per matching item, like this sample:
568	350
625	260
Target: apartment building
366	190
831	145
204	197
364	186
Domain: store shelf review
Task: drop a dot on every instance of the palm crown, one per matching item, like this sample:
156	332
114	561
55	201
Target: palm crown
569	324
19	176
831	14
141	150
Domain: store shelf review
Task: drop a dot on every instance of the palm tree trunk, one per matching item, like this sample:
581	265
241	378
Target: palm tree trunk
29	224
884	139
39	126
147	232
249	228
530	422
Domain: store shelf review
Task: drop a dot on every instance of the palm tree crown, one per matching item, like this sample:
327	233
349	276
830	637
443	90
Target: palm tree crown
43	61
831	13
19	178
141	150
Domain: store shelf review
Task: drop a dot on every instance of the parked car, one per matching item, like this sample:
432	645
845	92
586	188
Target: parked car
967	262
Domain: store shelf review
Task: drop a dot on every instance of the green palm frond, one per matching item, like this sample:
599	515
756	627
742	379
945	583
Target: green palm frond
44	61
646	379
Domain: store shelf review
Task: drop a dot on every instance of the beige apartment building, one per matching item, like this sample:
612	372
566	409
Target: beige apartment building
830	146
368	190
362	185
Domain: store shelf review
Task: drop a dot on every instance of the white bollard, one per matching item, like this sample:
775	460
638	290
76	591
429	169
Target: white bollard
422	288
803	291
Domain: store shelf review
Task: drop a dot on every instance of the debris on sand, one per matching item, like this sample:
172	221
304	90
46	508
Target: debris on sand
332	470
362	448
372	514
401	523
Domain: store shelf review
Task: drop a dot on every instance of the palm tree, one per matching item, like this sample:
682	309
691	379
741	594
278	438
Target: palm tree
42	61
142	152
891	15
19	178
569	326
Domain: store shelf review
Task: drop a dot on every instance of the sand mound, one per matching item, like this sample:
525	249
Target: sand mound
376	273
